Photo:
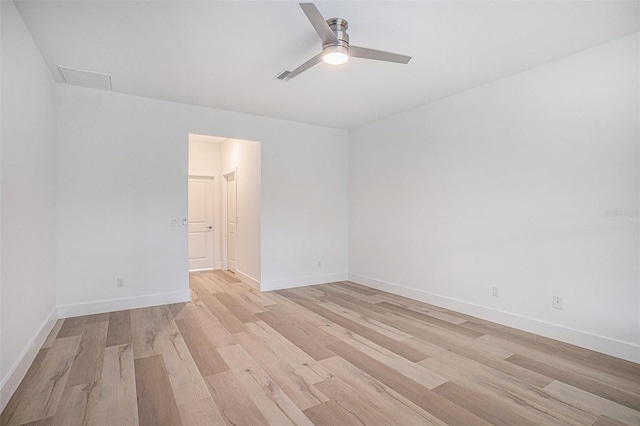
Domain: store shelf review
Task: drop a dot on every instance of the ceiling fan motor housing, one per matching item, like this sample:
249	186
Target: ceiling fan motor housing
339	27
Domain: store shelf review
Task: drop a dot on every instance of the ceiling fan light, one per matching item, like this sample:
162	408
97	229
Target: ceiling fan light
335	55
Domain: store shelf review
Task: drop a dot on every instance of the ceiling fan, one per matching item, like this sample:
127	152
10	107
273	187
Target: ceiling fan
335	44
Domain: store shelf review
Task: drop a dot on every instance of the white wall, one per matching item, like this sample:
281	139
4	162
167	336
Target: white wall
122	175
305	197
28	201
508	185
244	157
204	156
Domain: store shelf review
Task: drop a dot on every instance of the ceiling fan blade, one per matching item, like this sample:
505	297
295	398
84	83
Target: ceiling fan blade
319	23
378	55
288	75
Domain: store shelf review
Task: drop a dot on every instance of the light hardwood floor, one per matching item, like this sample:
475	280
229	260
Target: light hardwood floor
334	354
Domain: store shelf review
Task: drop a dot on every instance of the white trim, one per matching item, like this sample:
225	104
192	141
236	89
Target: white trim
19	368
594	342
248	279
113	305
224	210
201	270
302	281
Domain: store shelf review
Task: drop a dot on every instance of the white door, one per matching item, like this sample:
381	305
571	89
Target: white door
201	221
231	221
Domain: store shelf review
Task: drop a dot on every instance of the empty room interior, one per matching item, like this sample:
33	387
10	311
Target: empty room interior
331	213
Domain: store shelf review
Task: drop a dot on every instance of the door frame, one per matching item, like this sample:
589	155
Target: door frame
225	235
215	235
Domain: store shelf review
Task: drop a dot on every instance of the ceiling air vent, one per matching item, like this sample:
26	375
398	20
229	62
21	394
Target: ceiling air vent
94	80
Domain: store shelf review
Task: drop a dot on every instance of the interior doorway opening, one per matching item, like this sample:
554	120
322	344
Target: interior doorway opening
224	192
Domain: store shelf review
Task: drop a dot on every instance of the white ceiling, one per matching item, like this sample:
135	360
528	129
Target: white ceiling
226	54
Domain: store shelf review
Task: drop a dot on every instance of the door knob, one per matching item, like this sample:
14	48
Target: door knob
209	227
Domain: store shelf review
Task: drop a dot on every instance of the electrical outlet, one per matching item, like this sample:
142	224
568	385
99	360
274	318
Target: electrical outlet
175	222
120	282
557	302
495	291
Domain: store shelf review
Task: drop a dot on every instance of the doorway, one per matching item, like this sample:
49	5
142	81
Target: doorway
232	237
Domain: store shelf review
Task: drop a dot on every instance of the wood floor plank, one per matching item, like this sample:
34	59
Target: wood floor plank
607	421
156	403
366	321
179	310
300	363
463	345
440	350
331	413
424	308
142	332
299	390
235	307
245	296
42	422
232	400
272	402
619	368
204	354
400	365
401	410
72	327
425	398
596	388
295	335
305	319
594	404
87	364
45	390
456	343
220	312
25	384
359	407
628	384
255	296
117	402
186	381
225	276
520	397
211	285
78	405
380	339
217	333
481	405
200	413
358	288
431	320
119	332
91	319
162	318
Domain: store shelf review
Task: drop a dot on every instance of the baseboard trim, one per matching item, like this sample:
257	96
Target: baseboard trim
302	281
113	305
248	279
19	368
605	345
